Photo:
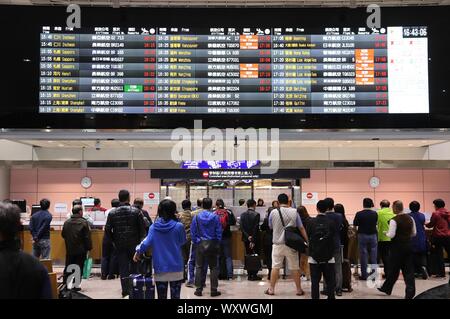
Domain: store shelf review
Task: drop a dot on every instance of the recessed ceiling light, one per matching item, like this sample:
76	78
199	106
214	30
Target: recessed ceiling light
410	144
349	141
61	145
47	130
49	141
126	142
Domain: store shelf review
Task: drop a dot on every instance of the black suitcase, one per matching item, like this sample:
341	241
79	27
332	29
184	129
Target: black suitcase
252	263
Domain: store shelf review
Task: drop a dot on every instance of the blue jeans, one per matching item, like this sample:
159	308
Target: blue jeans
225	252
367	250
191	267
41	249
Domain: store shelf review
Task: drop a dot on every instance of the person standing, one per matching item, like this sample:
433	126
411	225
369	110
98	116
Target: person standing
366	223
337	219
166	238
22	276
206	233
322	247
401	230
109	265
419	242
440	237
268	238
289	217
385	214
40	230
227	220
304	266
139	204
77	237
185	218
346	266
125	226
249	224
97	206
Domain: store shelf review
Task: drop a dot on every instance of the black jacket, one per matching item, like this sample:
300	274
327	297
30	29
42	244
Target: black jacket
125	226
77	235
21	275
250	225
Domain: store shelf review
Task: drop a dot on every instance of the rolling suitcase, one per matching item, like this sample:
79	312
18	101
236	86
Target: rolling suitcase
141	287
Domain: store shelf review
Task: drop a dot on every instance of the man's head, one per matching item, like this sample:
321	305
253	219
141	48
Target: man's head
368	203
77	210
138	202
385	203
97	201
220	203
438	203
115	202
241	202
9	221
397	207
76	202
199	202
283	199
45	204
414	206
330	203
207	203
321	206
251	203
186	204
124	196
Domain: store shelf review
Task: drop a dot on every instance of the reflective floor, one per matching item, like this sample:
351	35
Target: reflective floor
242	289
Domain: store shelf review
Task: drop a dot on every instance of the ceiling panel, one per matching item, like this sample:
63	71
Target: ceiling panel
229	3
283	144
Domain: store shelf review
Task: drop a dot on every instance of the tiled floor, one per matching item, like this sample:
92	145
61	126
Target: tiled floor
241	288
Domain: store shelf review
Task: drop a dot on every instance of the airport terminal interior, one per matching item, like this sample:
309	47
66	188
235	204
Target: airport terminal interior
227	110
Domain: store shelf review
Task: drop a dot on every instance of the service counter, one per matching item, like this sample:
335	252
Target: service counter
58	249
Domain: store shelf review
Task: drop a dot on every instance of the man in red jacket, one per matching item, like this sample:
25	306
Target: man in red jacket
440	238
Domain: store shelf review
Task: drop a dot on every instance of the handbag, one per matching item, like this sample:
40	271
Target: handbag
87	267
292	237
207	246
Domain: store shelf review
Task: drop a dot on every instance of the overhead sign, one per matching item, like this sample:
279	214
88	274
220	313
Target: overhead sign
244	174
219	164
151	198
310	198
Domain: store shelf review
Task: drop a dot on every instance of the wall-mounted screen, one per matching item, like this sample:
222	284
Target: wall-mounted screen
233	70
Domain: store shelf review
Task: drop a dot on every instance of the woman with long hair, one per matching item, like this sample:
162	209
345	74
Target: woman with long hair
346	269
304	266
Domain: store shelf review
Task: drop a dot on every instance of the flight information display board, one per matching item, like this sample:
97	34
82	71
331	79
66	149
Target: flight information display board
173	70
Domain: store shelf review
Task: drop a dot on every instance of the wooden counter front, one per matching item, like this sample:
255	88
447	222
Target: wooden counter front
58	247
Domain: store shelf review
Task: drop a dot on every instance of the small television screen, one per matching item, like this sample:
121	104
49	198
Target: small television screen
22	203
35	208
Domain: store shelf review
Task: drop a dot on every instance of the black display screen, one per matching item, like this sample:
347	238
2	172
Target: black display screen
229	67
228	70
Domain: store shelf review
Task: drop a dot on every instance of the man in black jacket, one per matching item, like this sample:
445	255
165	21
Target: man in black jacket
77	236
250	234
125	226
22	276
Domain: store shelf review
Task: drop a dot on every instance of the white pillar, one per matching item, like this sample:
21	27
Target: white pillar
4	181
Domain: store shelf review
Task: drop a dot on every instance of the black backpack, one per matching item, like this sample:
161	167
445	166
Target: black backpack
321	239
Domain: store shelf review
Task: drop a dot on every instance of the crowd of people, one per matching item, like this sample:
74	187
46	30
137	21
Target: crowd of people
180	246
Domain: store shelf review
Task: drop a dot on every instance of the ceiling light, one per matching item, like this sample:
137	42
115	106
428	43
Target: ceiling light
47	130
125	142
410	144
49	141
61	145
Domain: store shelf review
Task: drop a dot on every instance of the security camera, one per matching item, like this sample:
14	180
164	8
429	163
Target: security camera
97	145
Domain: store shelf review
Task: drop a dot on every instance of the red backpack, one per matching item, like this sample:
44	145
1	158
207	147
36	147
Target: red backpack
223	216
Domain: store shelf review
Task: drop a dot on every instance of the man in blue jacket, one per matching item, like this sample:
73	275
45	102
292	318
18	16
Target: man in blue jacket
419	242
40	230
206	233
